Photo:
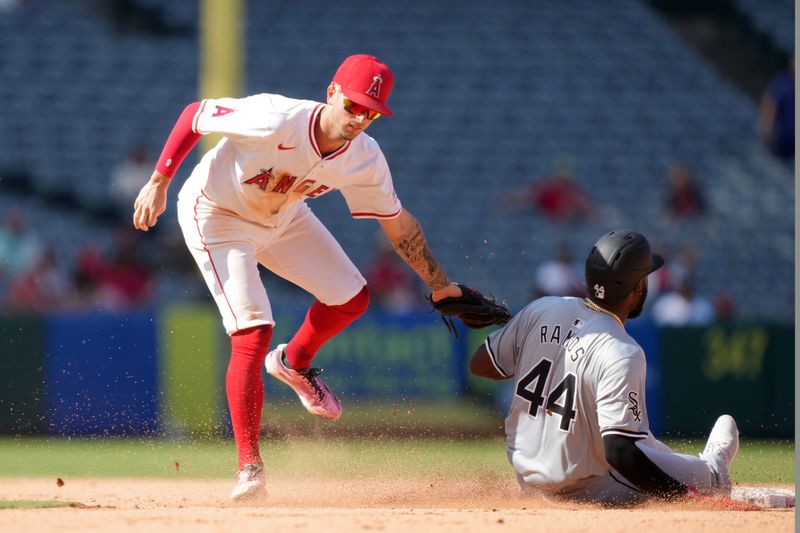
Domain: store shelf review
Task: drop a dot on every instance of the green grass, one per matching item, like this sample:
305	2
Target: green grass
111	457
444	419
332	457
34	504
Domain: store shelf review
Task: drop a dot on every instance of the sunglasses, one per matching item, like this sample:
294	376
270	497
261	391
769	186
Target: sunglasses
357	109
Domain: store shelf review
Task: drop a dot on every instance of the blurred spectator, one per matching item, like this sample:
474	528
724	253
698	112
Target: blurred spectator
776	114
128	176
725	306
41	288
91	291
684	199
558	276
683	307
90	264
558	196
96	284
19	246
393	285
128	278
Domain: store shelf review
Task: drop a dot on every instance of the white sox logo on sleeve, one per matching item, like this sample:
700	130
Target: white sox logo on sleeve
633	398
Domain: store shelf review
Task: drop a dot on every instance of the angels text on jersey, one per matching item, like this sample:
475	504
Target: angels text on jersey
286	183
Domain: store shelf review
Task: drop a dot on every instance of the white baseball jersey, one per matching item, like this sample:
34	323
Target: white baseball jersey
244	204
268	161
578	376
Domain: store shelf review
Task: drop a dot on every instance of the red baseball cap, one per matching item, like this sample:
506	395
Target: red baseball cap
366	81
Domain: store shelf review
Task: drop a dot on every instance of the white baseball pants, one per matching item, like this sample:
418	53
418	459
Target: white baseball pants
228	250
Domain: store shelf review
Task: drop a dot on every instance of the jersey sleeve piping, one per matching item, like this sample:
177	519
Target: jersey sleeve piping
311	138
624	433
376	215
493	359
197	115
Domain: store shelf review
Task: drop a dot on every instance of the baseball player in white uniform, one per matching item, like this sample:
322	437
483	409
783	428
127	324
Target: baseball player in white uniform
577	426
244	205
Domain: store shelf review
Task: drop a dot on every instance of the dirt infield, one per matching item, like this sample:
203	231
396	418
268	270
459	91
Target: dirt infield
433	504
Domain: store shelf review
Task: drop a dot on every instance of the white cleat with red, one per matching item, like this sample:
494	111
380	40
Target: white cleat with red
312	391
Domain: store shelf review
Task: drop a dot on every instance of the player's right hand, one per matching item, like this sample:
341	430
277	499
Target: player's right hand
151	202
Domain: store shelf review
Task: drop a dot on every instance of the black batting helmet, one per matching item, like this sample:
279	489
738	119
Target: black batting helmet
618	260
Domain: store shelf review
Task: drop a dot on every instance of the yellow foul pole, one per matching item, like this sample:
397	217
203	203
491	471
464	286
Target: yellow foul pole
221	52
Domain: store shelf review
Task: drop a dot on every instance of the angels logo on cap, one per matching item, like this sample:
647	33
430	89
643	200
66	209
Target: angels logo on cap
375	88
367	81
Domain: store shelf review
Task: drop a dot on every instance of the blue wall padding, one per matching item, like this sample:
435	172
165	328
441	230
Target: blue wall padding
101	374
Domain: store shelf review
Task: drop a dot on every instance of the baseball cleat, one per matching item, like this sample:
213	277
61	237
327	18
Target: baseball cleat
251	483
721	448
312	391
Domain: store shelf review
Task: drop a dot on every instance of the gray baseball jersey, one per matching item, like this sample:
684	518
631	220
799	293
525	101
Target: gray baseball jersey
578	376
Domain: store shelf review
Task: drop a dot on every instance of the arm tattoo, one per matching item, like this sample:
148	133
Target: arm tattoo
414	250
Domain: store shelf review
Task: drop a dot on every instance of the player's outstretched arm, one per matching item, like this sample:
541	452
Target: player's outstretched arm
152	199
151	202
405	234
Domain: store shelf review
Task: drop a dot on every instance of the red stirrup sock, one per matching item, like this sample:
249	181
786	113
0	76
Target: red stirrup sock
245	388
321	324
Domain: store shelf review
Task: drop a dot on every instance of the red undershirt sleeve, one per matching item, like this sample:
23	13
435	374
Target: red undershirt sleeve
180	142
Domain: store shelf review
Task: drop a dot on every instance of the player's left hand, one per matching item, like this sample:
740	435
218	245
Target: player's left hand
448	291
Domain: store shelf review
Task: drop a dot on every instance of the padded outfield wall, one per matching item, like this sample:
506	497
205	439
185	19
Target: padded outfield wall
163	371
